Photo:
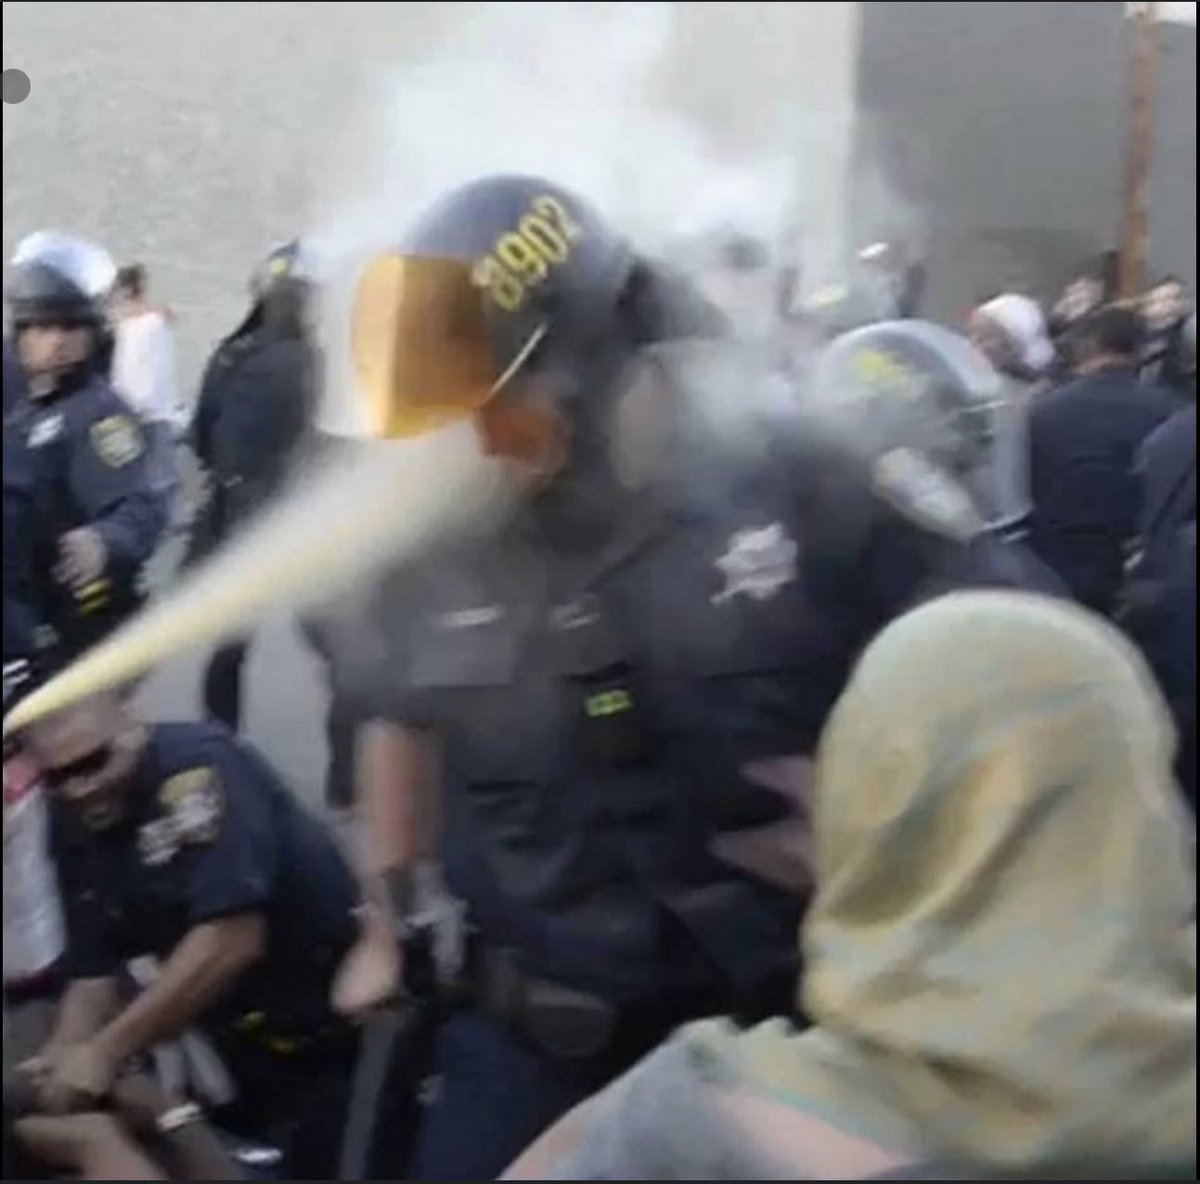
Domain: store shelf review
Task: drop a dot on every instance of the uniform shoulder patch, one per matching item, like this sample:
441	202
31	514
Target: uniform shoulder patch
116	440
194	800
925	494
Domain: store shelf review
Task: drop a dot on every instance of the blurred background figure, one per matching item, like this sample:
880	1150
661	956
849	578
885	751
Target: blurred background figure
888	283
1084	438
736	273
255	411
145	372
1011	332
1165	309
1079	300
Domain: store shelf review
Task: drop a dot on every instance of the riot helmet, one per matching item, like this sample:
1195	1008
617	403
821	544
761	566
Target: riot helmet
737	272
281	278
933	418
283	263
59	279
505	277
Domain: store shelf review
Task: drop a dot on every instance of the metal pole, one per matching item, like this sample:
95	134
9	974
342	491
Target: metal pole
1135	215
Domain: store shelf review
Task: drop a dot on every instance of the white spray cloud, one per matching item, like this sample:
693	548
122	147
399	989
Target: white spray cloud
572	92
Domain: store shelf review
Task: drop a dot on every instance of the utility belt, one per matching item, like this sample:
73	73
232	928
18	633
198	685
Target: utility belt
560	1022
565	1023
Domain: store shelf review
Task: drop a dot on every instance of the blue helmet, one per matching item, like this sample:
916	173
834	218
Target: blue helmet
59	278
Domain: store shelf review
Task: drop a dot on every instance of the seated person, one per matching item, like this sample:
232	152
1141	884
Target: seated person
1001	952
179	841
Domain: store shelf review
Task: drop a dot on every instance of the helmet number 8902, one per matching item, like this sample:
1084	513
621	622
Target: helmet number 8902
524	258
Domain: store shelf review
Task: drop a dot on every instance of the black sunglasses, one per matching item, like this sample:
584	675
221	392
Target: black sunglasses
84	766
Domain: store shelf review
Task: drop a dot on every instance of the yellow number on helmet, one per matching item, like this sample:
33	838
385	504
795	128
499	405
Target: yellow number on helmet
523	257
545	237
555	213
504	288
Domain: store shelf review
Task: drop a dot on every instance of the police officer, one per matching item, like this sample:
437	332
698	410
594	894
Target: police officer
625	674
176	840
254	410
1083	440
78	455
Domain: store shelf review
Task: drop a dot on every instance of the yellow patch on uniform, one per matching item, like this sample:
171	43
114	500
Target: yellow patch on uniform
278	267
117	440
194	800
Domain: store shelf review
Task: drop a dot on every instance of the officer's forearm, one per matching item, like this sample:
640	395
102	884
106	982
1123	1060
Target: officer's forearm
87	1005
395	793
200	969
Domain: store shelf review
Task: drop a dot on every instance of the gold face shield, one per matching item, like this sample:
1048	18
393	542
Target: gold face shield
424	346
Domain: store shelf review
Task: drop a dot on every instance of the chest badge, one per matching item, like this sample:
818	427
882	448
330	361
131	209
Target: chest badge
45	431
192	805
758	563
117	441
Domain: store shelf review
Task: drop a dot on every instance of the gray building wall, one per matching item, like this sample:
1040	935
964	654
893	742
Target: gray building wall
1173	191
193	136
1001	131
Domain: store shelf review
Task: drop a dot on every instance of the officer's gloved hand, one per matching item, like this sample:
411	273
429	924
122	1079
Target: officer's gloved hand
83	558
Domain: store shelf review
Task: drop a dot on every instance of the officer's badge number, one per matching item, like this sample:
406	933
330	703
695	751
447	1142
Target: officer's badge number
525	256
192	805
116	440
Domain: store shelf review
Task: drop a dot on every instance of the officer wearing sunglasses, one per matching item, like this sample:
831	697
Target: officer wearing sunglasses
178	841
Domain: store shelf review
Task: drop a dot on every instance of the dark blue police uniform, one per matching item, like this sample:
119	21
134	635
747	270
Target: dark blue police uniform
14	378
211	832
606	687
82	460
1084	439
21	617
1161	610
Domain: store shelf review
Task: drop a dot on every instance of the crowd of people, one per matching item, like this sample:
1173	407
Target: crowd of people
901	661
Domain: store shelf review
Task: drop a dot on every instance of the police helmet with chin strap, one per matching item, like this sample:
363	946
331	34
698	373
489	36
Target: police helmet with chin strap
942	431
59	279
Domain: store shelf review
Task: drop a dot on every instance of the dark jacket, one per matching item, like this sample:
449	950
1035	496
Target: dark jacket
14	378
255	410
77	459
1084	438
1161	608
